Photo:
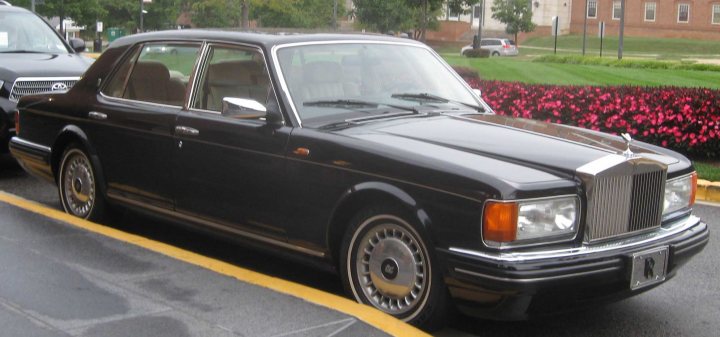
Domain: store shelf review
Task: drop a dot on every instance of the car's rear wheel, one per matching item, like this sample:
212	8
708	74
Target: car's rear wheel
495	53
77	185
387	264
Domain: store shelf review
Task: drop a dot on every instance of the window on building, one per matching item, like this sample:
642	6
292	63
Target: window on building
592	9
683	13
716	14
617	13
650	11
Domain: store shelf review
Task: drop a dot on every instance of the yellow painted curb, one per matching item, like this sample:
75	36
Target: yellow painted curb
364	313
702	189
713	192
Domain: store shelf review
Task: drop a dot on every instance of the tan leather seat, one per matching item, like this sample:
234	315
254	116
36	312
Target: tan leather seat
242	79
324	79
150	82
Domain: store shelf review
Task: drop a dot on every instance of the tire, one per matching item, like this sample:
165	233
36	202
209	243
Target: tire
77	185
495	53
387	264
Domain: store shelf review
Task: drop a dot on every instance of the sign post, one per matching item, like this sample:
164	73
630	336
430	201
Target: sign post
555	24
601	34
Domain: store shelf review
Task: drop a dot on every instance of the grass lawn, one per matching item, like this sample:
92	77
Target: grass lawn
708	170
522	70
640	46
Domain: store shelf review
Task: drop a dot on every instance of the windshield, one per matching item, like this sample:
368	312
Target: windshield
27	33
335	82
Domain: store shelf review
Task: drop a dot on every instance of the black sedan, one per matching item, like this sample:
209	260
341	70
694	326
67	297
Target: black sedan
368	155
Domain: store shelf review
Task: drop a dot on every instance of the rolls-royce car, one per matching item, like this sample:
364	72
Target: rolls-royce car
370	156
34	58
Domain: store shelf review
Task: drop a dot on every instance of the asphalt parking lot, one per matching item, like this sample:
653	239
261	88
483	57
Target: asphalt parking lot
688	305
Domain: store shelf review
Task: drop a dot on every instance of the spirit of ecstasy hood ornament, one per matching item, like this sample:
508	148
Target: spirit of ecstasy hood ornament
628	139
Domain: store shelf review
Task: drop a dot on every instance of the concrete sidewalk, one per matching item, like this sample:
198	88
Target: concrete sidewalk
61	276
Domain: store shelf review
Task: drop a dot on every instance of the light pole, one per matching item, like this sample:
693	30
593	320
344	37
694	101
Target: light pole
585	26
622	29
142	13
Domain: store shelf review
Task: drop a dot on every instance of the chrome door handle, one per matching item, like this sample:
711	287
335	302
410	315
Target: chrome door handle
97	115
188	131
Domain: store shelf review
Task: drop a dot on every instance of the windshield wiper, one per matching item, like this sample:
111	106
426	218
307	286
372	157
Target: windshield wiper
348	103
423	96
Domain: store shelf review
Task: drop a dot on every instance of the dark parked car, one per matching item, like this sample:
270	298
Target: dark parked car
34	58
371	156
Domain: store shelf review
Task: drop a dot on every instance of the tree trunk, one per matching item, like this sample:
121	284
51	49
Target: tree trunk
517	44
245	12
423	25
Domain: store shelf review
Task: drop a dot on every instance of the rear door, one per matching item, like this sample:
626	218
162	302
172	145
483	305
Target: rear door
135	116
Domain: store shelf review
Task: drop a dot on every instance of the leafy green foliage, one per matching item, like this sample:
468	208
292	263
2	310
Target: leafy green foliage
384	15
516	14
295	13
477	53
217	13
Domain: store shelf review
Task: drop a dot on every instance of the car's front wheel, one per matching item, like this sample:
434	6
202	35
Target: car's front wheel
77	185
387	264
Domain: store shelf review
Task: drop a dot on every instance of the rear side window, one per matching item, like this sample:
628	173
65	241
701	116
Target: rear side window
159	74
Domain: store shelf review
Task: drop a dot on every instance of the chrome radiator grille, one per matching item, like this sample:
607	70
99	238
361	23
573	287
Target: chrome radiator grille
35	85
625	199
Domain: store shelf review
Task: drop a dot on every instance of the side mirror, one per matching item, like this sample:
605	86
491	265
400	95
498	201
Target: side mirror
78	45
477	92
242	108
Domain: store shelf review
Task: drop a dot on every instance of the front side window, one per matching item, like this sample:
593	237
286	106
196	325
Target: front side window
617	10
337	81
650	11
683	13
159	74
592	9
716	14
232	72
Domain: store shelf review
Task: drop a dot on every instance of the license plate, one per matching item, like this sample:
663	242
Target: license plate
649	267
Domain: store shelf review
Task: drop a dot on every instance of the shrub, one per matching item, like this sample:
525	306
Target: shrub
626	63
467	73
477	53
686	120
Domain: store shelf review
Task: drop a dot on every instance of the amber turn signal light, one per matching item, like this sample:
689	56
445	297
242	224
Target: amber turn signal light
693	192
500	221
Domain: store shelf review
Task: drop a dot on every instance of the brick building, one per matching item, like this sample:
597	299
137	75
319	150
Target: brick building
695	19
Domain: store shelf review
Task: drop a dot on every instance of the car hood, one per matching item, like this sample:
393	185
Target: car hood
550	147
13	65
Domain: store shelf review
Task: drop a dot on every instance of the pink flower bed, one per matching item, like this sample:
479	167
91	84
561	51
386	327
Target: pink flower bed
683	119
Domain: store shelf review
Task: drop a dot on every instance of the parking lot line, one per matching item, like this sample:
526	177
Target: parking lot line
364	313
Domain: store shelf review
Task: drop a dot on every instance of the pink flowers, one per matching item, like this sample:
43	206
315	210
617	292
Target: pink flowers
683	119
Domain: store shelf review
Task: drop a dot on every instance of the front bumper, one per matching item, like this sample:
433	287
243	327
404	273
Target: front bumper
513	286
7	123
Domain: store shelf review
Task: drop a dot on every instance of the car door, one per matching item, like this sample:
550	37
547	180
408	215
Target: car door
135	116
229	170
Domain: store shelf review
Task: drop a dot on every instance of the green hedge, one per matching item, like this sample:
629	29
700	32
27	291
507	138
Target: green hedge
626	63
477	53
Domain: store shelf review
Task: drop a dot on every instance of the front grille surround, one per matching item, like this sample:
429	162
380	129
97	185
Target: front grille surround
36	85
624	196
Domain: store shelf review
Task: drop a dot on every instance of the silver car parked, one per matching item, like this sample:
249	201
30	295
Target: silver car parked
497	47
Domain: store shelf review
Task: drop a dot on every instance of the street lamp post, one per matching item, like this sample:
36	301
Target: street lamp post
142	12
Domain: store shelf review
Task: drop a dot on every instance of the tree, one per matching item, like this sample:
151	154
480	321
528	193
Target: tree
516	14
384	15
461	6
295	13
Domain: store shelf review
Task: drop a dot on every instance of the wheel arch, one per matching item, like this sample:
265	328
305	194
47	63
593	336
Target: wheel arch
364	194
68	134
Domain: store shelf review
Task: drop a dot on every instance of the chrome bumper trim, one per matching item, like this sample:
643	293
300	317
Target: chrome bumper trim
536	279
30	144
672	229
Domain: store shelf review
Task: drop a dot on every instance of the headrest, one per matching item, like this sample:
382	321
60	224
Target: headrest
151	69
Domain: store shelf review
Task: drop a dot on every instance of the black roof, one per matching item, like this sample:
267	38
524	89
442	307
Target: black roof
259	38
